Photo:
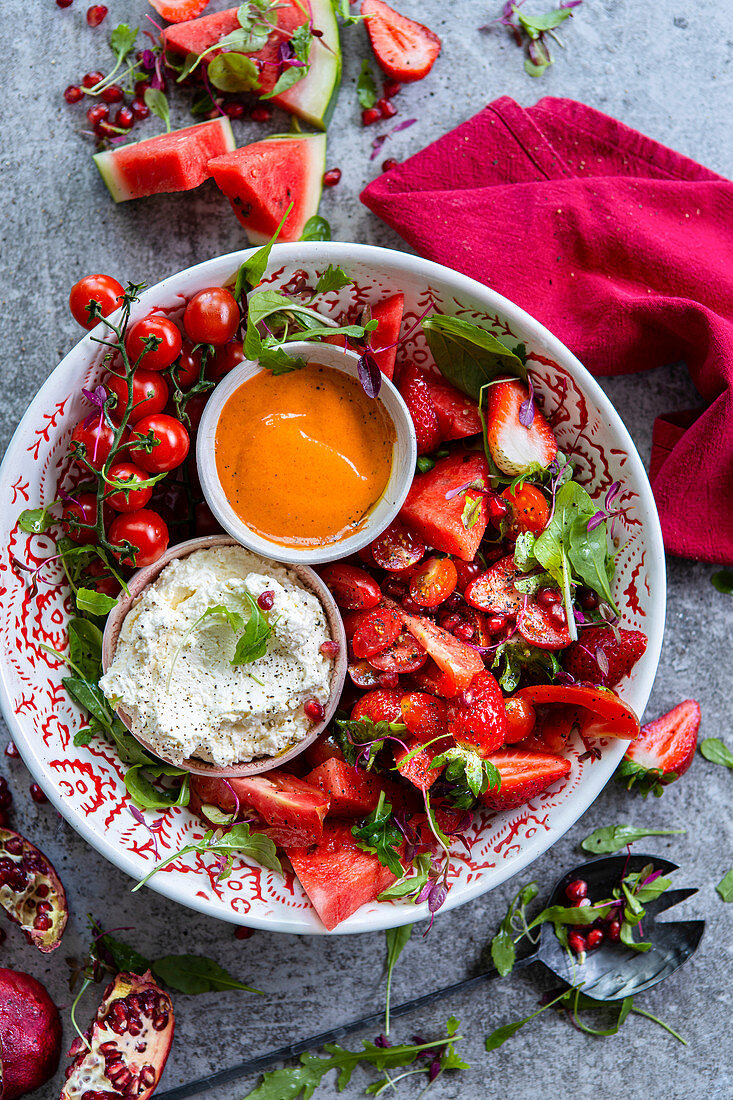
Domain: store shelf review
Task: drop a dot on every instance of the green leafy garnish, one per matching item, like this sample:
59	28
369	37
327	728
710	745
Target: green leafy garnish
300	44
396	940
465	767
146	796
193	974
253	643
233	72
515	656
714	750
93	602
366	87
365	731
500	1034
409	884
277	361
644	780
35	521
253	268
333	278
380	834
467	355
725	886
237	841
613	837
514	924
316	229
157	101
723	581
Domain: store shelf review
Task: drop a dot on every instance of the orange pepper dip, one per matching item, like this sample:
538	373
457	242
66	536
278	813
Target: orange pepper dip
303	457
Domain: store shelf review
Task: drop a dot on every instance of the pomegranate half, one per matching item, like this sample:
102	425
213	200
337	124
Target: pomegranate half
30	1034
31	892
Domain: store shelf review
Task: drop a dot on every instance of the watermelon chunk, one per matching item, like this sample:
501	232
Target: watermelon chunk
262	179
457	414
439	522
282	801
314	97
337	875
355	793
169	162
389	314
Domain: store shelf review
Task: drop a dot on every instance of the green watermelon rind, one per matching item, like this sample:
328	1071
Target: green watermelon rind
105	161
314	97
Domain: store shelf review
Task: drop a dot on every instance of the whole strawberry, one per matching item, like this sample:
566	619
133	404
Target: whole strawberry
598	657
416	396
663	751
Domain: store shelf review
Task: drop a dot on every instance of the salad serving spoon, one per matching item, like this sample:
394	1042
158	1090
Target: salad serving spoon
609	973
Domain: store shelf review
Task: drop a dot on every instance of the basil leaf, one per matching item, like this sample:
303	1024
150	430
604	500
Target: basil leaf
95	603
316	229
467	355
588	554
714	750
366	88
613	837
723	581
232	72
725	886
36	520
193	974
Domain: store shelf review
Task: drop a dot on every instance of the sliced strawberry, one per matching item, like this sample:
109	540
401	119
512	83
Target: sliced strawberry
457	661
477	717
457	414
444	518
494	590
664	750
389	315
418	769
517	449
536	625
416	396
179	11
598	657
523	775
405	50
382	705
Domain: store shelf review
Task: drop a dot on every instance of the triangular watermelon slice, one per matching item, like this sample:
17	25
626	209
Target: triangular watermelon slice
389	314
314	97
169	162
262	179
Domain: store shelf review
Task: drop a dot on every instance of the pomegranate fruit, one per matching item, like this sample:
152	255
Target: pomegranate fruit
30	1033
31	892
127	1045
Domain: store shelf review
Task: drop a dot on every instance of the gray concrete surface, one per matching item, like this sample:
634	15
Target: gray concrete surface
664	67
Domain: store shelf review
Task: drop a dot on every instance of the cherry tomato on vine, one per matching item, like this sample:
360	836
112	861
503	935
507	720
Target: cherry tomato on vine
130	500
528	510
212	316
167	350
188	368
94	441
433	581
149	394
99	288
82	510
143	529
224	359
100	579
171	447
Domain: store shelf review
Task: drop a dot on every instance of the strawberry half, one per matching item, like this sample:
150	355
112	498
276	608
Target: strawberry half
477	717
601	658
382	705
179	11
664	750
404	49
523	775
516	448
416	395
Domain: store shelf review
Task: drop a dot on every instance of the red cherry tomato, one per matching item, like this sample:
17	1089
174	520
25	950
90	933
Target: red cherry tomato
144	530
188	368
396	548
205	521
363	675
433	582
520	719
130	500
528	510
352	587
171	447
404	655
212	316
92	441
149	394
164	353
98	288
100	579
376	632
380	706
82	510
224	359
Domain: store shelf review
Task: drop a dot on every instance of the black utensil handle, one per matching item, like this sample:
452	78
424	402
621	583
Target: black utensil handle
282	1054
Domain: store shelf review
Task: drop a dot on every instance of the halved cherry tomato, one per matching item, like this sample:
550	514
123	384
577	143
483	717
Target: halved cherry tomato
92	441
171	445
98	288
224	359
529	510
424	714
376	632
396	548
520	719
156	357
433	582
363	674
352	587
380	706
128	500
611	716
494	590
143	529
188	368
149	394
404	655
212	316
82	510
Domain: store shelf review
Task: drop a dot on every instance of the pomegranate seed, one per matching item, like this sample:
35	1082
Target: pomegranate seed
391	89
98	113
147	1074
73	93
581	903
547	596
329	648
14	846
576	943
613	931
234	110
589	599
37	794
42	891
411	607
112	94
314	710
141	87
464	631
556	614
495	623
389	164
92	78
576	889
386	108
497	509
96	14
266	599
64	3
594	938
331	177
393	588
261	114
6	798
124	118
448	622
140	109
105	129
160	1022
370	115
243	933
42	923
389	680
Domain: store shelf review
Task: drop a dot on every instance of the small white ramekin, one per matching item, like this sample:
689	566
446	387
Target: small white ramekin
404	457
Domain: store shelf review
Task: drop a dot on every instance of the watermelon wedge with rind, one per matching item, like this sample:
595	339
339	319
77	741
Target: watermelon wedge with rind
262	179
177	161
314	97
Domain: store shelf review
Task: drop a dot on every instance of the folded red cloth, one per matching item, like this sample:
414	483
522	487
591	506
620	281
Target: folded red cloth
622	247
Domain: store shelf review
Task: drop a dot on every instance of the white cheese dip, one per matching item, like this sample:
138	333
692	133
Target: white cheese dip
189	700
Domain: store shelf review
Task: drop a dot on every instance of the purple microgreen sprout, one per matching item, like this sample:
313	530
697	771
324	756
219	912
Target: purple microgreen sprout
527	408
369	373
379	141
135	813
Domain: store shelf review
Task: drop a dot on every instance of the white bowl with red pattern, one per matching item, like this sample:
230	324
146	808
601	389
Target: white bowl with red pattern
85	783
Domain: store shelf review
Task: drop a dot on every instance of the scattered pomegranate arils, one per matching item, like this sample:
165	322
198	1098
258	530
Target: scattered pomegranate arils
391	89
11	750
314	710
389	164
112	94
140	109
98	113
30	1033
64	3
370	115
6	798
92	78
96	14
127	1044
73	93
331	177
125	118
243	933
266	599
37	794
576	889
329	648
24	871
261	114
386	108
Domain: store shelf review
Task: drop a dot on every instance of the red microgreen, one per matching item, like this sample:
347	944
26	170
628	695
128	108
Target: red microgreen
379	141
527	408
369	373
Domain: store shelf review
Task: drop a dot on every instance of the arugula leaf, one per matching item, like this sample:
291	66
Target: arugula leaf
725	886
588	553
714	750
237	841
235	620
146	796
343	11
366	88
93	602
503	953
157	101
300	43
36	520
723	581
85	647
409	883
195	974
253	643
123	956
467	355
613	837
380	834
500	1035
232	72
524	557
396	941
316	229
464	765
560	914
253	268
333	278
